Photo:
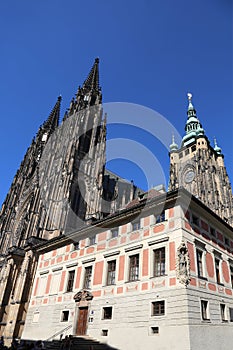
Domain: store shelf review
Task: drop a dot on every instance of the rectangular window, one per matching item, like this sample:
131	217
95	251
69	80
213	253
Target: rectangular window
199	262
87	277
136	225
159	262
223	312
70	281
55	283
42	285
195	220
114	232
204	310
107	313
111	275
158	308
212	232
92	240
134	267
160	218
36	317
227	242
76	246
217	271
104	332
64	316
231	271
154	330
231	314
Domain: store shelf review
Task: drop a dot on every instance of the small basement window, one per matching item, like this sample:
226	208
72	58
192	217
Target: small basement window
154	330
104	332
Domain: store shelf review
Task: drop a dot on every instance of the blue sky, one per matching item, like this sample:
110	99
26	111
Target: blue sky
152	52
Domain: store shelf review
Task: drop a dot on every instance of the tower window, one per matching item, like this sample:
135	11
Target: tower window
193	148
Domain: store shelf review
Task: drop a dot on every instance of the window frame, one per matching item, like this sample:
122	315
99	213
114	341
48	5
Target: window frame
205	315
70	281
105	315
217	270
223	313
114	232
161	308
134	266
200	262
136	225
110	279
87	280
160	217
161	262
63	319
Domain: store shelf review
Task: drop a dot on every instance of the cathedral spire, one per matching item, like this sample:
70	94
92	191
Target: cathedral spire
92	81
53	120
90	93
193	126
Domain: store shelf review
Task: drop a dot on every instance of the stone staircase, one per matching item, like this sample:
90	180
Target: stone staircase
79	343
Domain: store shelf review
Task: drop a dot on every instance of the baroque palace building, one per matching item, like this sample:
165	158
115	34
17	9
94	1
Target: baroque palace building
84	252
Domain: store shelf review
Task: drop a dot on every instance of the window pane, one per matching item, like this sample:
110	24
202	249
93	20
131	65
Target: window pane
159	262
70	282
158	308
134	267
87	278
111	272
199	263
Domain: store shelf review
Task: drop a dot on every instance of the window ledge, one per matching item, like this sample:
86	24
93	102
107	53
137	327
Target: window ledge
134	281
203	278
161	276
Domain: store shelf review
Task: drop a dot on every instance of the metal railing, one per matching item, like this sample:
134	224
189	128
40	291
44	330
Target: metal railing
59	333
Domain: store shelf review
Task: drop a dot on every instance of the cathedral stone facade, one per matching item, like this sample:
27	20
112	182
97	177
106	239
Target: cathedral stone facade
106	260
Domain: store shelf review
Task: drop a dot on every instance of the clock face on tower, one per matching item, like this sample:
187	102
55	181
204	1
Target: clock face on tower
189	175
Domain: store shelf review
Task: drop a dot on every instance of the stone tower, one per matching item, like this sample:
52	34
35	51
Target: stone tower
199	168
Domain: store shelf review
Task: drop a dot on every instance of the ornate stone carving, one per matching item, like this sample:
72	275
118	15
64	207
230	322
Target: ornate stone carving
183	264
83	295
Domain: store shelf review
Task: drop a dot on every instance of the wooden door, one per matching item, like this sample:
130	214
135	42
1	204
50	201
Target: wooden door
82	321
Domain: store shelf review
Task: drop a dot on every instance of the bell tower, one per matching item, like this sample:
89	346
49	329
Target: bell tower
199	167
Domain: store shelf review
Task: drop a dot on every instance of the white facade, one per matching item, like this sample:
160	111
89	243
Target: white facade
148	301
